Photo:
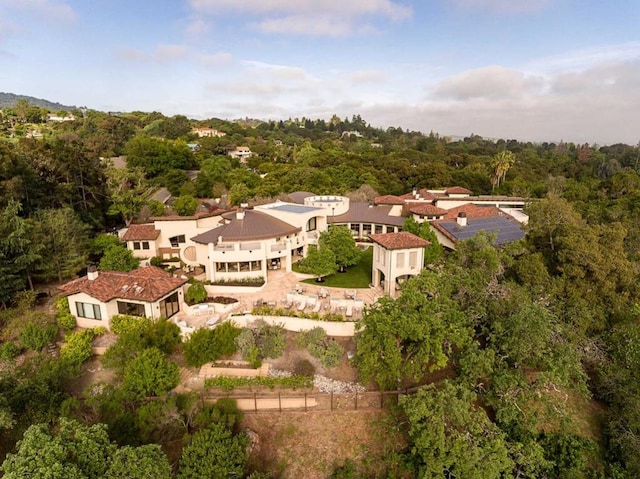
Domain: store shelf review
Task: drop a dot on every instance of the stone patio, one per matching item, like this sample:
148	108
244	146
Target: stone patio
277	292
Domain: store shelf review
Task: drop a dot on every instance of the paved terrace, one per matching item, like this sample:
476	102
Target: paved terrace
277	293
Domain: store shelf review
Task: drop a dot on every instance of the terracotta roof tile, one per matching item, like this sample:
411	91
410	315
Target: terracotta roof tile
402	240
141	232
473	211
144	284
388	200
458	190
427	210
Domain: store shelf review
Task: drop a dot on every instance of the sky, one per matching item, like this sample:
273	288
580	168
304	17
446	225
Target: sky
532	70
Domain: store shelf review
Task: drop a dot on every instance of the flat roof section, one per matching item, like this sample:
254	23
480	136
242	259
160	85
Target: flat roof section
298	209
507	230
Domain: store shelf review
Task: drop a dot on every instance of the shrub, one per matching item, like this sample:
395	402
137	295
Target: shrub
77	347
271	340
224	411
9	351
36	336
225	335
156	261
200	348
315	340
331	355
64	319
163	334
304	367
196	293
150	374
245	341
122	324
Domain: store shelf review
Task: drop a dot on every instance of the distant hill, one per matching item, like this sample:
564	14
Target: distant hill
10	99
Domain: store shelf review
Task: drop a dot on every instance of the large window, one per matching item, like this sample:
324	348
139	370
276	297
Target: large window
312	224
131	309
89	311
169	306
176	240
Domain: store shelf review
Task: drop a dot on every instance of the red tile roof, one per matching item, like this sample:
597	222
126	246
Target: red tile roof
144	284
458	190
473	211
402	240
423	194
388	200
141	232
427	210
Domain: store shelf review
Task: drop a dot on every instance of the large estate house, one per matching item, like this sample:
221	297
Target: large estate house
250	241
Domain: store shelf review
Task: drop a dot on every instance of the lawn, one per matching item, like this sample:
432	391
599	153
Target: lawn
358	276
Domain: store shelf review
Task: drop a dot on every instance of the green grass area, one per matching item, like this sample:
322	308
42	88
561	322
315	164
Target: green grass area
358	276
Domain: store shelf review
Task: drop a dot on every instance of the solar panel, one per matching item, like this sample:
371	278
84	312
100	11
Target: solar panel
294	208
506	230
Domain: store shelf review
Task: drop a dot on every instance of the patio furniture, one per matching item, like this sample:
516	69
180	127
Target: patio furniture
349	311
317	307
322	293
302	304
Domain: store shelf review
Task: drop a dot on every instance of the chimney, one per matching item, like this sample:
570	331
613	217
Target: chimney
462	219
92	272
414	192
240	214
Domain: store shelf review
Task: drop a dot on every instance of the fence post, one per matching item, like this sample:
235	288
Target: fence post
255	403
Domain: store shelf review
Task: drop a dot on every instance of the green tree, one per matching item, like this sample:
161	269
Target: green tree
340	241
452	437
432	253
118	258
156	156
238	194
65	241
127	191
150	373
319	262
71	450
18	254
401	339
185	205
213	452
502	162
142	462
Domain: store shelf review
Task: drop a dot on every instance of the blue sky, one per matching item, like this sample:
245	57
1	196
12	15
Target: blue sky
540	70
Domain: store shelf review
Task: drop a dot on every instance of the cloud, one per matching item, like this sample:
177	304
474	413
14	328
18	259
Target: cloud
216	60
282	72
163	53
579	60
169	53
51	11
503	6
366	77
198	26
307	17
488	82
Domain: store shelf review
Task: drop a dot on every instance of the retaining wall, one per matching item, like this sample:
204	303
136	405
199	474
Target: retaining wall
333	328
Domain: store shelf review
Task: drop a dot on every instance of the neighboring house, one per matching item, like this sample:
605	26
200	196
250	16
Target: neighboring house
95	298
396	257
450	231
206	132
57	118
169	237
241	153
141	240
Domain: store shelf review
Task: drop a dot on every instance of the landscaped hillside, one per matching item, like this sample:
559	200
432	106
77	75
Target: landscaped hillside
10	100
512	361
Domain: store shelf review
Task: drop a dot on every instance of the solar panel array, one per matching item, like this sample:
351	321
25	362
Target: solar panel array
294	208
507	230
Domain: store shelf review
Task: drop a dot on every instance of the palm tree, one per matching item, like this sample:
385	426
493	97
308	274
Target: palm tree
501	162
